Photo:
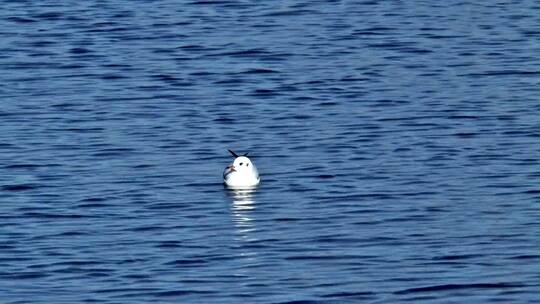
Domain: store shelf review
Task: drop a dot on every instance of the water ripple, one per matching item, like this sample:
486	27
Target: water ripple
396	143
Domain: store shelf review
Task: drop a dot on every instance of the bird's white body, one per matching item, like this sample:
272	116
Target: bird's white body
241	173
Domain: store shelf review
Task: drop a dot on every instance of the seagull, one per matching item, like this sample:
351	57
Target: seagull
241	173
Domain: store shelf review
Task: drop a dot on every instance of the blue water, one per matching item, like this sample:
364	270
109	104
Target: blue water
398	145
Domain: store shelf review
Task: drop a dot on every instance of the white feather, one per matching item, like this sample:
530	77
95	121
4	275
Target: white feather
241	173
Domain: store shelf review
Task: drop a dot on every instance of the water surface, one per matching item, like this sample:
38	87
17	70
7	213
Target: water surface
398	146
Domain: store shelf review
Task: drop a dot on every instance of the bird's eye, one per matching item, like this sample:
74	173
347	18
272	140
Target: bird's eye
241	164
247	165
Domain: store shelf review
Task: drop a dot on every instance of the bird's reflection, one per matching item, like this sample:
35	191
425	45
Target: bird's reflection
242	206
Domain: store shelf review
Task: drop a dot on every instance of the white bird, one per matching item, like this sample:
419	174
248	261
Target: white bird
241	173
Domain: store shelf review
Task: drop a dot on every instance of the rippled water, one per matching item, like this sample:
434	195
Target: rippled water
398	145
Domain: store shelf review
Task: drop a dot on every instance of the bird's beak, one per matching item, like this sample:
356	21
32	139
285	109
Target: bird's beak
231	167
